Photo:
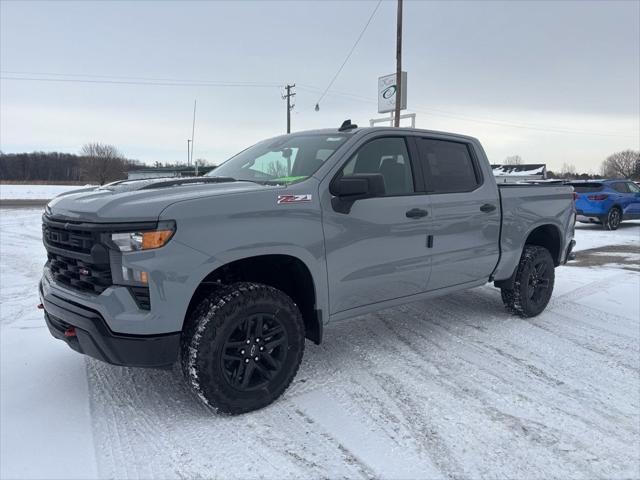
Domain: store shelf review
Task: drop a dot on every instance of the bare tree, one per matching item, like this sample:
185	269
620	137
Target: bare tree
568	170
104	162
277	169
625	164
513	160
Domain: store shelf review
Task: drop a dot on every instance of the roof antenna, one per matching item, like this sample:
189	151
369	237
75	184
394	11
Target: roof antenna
347	125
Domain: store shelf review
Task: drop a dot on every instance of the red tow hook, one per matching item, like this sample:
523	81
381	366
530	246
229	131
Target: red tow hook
70	332
40	306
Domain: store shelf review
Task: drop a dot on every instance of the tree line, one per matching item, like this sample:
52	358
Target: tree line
96	163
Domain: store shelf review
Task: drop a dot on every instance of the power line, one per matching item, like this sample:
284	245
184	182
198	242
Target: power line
366	25
210	83
119	77
505	123
141	82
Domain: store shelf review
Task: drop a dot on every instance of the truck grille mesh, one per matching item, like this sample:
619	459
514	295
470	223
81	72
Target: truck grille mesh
79	275
71	257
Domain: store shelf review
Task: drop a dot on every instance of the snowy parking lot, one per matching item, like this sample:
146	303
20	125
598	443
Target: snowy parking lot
448	388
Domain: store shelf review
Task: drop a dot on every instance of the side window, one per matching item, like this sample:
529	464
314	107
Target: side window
387	156
633	188
620	187
448	166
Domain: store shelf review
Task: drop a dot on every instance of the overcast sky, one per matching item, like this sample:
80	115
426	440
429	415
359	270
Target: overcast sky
553	82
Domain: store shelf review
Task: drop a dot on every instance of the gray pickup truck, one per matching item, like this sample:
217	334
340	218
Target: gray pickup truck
229	273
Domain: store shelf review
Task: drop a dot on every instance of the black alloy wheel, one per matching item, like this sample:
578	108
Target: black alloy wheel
254	352
613	220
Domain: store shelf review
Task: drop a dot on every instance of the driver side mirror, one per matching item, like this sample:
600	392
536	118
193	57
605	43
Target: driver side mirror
349	188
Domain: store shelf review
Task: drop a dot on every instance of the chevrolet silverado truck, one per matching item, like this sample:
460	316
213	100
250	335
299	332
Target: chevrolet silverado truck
227	274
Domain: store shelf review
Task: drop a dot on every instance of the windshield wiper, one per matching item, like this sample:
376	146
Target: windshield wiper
261	182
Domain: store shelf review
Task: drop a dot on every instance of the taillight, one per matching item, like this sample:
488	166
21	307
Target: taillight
575	196
598	197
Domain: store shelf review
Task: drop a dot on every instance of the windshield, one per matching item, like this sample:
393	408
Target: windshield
281	160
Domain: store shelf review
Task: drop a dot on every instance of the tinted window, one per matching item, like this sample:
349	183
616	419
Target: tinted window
387	156
448	166
620	187
586	187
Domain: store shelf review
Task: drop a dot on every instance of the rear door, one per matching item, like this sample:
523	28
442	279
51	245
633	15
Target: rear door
465	220
629	199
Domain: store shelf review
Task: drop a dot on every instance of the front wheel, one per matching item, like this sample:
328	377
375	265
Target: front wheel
613	219
242	347
533	283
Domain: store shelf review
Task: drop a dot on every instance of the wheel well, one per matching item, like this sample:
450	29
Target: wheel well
284	272
547	236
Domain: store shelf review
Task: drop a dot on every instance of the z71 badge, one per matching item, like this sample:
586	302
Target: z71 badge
294	198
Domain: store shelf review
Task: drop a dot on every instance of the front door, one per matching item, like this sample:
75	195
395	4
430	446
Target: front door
378	250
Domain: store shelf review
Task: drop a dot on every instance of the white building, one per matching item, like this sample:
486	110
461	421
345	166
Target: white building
519	173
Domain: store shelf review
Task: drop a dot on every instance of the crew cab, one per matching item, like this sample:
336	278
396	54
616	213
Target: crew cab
229	273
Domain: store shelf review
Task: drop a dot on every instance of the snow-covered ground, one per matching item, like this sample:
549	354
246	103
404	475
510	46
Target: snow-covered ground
590	236
34	192
449	388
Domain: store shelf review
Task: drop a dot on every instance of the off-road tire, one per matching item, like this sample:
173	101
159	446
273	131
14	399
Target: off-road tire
207	334
518	300
613	219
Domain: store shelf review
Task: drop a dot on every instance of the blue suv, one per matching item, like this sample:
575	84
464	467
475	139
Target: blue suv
608	202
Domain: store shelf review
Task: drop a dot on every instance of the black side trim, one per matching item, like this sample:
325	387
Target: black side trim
313	330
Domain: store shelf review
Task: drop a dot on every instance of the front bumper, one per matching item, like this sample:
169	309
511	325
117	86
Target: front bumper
85	331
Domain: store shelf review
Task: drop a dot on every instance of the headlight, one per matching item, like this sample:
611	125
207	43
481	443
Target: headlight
146	240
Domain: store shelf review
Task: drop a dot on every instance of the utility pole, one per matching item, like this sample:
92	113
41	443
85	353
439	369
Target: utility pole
396	121
188	150
289	104
193	129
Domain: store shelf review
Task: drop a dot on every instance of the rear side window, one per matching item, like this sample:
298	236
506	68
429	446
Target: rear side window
620	187
448	166
633	188
586	187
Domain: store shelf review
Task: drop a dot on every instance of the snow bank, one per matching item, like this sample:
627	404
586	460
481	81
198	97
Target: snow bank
35	192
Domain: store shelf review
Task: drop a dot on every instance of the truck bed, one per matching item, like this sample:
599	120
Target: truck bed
524	206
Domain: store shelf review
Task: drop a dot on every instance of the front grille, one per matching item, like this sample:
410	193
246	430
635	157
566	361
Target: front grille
80	275
76	258
73	240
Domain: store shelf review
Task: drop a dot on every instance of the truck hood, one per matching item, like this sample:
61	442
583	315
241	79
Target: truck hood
140	200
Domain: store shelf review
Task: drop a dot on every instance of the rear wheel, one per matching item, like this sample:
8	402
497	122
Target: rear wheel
242	347
613	219
533	283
